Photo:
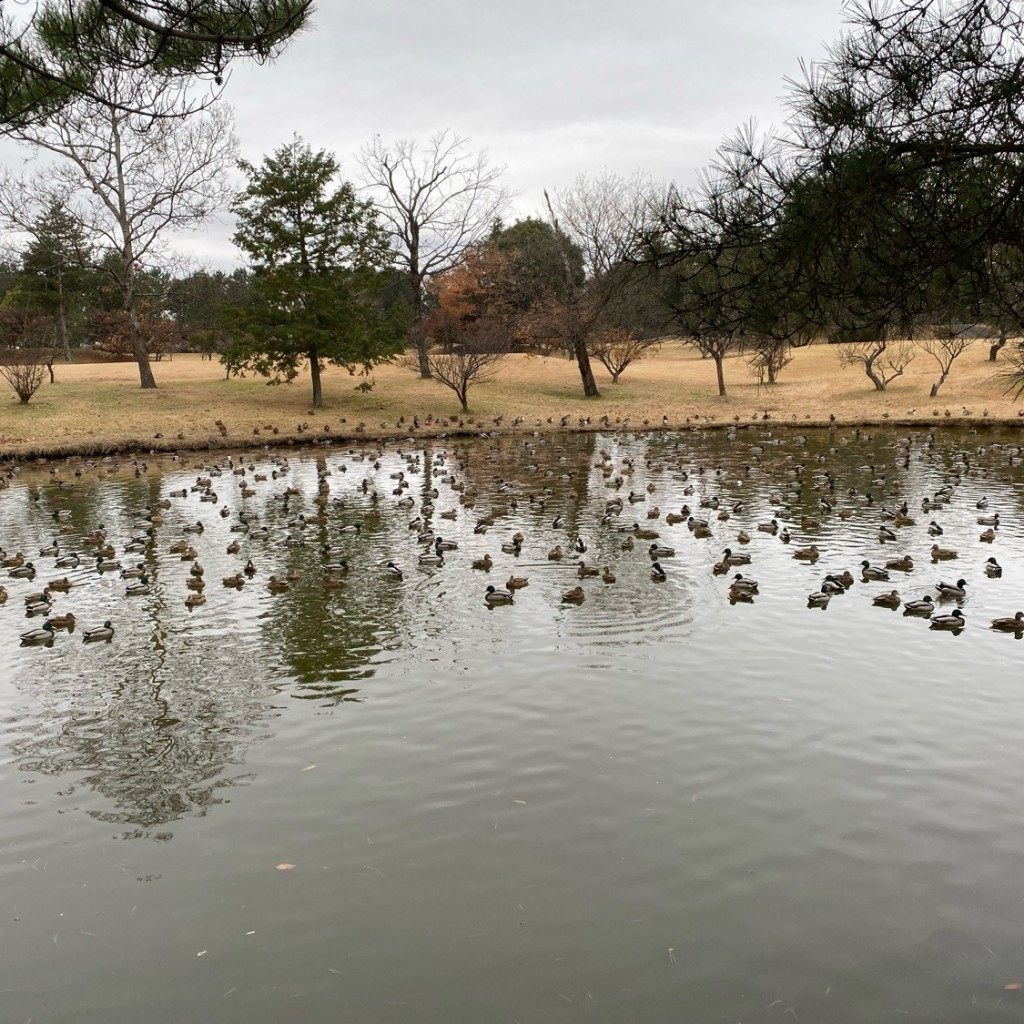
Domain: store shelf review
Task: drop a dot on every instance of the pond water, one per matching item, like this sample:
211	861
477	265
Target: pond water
391	802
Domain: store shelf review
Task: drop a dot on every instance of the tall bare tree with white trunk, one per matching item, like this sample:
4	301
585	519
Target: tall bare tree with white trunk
438	199
130	175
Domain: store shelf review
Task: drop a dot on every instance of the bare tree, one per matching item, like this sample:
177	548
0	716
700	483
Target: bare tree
437	200
128	178
883	359
769	357
616	350
29	342
945	352
472	362
605	219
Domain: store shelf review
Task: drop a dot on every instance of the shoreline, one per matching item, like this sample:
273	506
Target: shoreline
97	410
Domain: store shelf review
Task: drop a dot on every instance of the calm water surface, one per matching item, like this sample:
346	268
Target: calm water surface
393	803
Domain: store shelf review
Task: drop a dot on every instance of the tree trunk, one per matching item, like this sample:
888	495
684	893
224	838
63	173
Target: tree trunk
719	358
419	327
586	372
62	320
996	346
314	372
869	369
938	384
146	378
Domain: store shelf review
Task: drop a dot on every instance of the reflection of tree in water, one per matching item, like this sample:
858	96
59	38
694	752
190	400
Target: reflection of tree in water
158	743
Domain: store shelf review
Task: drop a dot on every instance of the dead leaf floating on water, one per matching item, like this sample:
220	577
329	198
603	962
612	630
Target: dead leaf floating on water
285	867
1013	986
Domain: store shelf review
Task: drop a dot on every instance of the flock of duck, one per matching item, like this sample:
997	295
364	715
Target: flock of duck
711	510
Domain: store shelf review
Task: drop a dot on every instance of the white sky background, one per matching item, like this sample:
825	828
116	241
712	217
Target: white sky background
551	89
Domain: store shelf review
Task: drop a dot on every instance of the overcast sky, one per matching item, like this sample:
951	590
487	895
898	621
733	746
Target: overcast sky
551	88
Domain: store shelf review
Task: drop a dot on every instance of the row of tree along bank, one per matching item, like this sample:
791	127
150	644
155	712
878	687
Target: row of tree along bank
888	208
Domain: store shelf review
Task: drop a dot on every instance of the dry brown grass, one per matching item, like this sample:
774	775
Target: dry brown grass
100	407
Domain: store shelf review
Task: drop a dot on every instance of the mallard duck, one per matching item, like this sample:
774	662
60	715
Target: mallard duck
574	596
873	572
890	600
107	564
770	527
234	547
954	620
495	595
196	570
628	544
51	550
42	635
1014	624
94	633
38	608
981	503
993	569
195	583
196	527
68	561
785	536
13	561
440	544
512	547
333	583
138	588
134	573
885	534
735	558
350	528
556	553
237	581
810	554
924	607
657	551
392	570
657	573
62	584
942	554
3	594
583	570
992	520
832	585
934	529
194	601
743	584
846	578
484	563
23	572
720	568
434	557
250	569
904	564
517	582
276	586
819	598
39	595
743	537
333	568
988	536
952	590
607	575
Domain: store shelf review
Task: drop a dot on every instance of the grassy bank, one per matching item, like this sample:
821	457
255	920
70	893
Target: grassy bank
100	407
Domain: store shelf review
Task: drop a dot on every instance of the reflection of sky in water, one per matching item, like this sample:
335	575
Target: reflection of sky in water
503	804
